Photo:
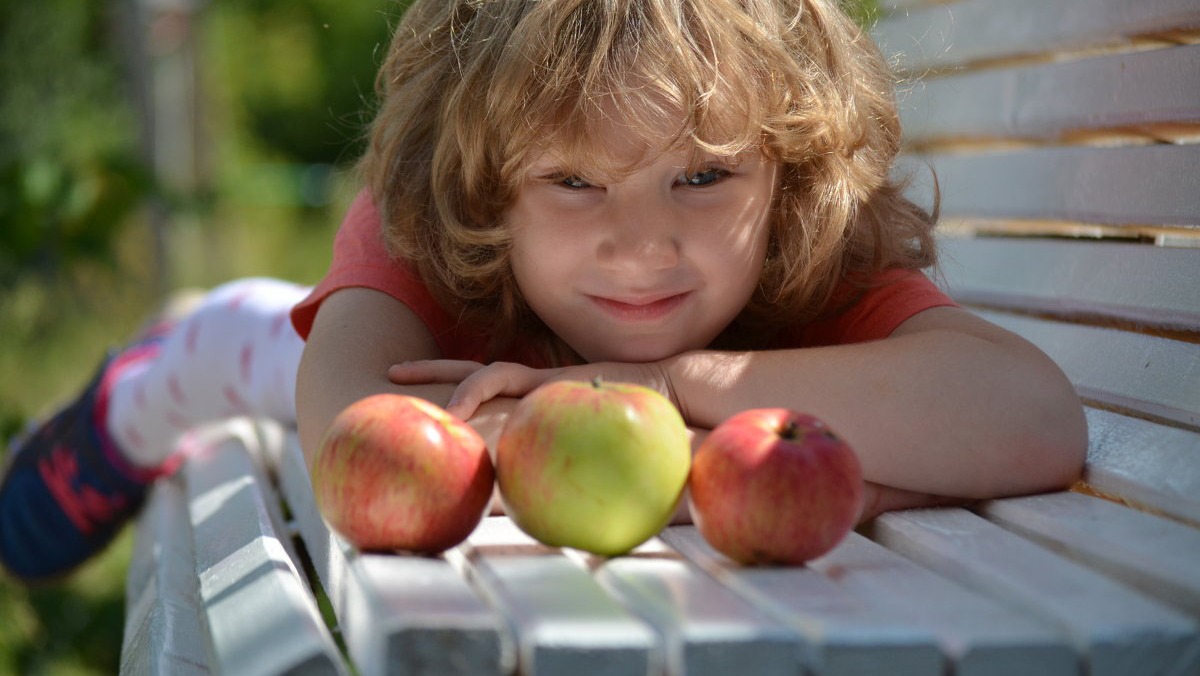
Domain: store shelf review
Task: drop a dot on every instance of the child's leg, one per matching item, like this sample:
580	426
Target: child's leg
69	487
235	354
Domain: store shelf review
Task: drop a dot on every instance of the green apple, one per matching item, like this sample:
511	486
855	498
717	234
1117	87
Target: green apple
398	472
594	466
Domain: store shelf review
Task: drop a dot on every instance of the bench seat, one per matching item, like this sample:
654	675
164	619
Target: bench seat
1052	584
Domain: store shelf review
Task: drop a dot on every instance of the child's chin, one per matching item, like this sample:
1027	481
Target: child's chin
633	352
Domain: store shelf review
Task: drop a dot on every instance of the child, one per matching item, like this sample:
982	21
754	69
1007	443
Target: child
690	194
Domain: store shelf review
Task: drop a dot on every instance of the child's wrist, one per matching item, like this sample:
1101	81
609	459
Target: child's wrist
700	381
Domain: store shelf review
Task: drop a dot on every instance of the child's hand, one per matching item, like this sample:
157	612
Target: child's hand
478	383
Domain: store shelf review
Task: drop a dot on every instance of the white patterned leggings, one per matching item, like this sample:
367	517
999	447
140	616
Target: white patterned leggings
235	354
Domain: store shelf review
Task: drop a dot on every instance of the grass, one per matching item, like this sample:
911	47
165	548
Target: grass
53	335
53	331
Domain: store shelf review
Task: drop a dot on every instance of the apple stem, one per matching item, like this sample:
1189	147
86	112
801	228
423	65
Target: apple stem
596	382
789	431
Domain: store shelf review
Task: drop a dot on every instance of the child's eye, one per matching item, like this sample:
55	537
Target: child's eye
574	182
704	177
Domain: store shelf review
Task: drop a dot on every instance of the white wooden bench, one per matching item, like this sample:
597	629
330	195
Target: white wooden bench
1063	135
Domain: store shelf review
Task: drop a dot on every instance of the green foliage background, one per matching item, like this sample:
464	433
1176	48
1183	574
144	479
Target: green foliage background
286	86
286	89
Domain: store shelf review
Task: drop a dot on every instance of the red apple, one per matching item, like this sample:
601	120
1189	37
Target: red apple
595	466
397	472
773	486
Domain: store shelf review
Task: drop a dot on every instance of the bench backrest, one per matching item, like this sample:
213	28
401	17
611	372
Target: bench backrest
1064	138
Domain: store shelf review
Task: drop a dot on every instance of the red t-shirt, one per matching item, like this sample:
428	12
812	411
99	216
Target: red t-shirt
360	259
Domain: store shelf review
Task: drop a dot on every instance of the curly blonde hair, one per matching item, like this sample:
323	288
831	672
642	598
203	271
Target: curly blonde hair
471	87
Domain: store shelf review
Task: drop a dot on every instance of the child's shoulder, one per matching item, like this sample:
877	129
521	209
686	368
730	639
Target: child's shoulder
865	311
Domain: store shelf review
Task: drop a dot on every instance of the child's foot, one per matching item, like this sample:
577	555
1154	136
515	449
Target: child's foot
67	491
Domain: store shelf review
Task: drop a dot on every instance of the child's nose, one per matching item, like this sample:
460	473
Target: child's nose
640	238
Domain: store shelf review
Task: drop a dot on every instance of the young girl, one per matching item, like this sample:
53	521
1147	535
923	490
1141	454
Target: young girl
690	194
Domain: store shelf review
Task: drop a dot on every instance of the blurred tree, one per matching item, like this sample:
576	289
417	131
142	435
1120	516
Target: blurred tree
319	57
865	12
69	174
306	99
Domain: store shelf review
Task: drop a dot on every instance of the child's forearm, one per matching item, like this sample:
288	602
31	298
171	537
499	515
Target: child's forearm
490	417
974	414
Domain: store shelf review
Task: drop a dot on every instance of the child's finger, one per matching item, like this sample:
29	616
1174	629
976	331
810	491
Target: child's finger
431	371
495	380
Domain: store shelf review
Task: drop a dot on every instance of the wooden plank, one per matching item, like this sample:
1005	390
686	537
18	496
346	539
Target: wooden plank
869	610
164	632
1150	465
1149	185
1155	555
953	34
1145	285
1116	630
1157	235
252	592
1047	101
282	456
848	634
707	628
397	614
263	438
977	635
1155	377
564	621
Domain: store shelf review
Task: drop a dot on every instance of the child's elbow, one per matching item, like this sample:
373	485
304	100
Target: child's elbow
1057	442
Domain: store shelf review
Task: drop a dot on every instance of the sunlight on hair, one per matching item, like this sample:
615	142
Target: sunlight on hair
473	90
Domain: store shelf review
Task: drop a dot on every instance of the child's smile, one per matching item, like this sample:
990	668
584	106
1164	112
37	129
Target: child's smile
639	309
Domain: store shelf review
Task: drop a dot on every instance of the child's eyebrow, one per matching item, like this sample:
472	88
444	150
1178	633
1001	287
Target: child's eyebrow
548	168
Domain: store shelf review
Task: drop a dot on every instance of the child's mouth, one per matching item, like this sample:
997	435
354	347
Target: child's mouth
639	311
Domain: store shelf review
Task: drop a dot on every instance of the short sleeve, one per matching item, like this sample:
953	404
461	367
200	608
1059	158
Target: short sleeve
894	297
360	259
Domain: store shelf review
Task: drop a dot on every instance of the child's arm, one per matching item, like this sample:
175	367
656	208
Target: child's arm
949	405
358	333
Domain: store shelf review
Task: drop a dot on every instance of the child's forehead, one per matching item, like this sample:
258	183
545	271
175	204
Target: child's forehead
627	133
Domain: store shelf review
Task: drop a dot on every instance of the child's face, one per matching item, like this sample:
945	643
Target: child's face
645	265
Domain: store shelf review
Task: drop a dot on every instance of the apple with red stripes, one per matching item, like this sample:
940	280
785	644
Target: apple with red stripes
396	472
774	486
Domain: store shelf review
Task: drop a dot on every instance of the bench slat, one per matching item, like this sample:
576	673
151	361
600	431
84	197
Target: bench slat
957	33
1156	377
708	629
867	609
848	634
164	632
1145	185
1149	286
1145	463
252	593
1155	555
564	621
397	614
1117	631
979	636
1047	101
